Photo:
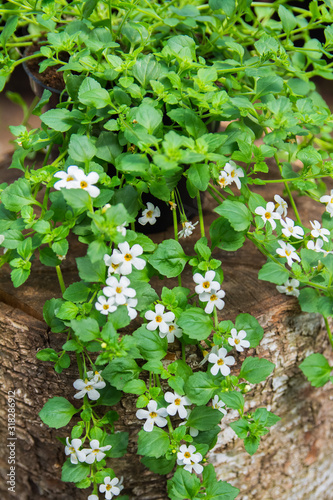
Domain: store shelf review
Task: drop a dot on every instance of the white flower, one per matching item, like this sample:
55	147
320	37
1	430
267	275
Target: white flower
88	387
214	298
174	331
281	205
328	199
187	230
316	246
105	306
220	362
289	287
287	251
193	431
110	487
113	268
234	172
94	375
152	416
224	179
217	404
86	182
93	497
268	214
289	229
159	319
149	214
177	404
206	283
188	457
237	339
131	304
122	229
2	238
72	449
66	178
96	452
127	257
119	289
318	231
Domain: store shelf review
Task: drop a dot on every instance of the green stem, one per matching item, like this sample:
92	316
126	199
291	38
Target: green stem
61	280
201	219
329	333
183	352
216	321
175	228
286	185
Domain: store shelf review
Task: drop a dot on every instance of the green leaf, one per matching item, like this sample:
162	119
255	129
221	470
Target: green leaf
119	443
269	85
217	490
8	30
50	309
196	323
109	396
224	236
256	370
169	259
48	257
151	345
120	370
241	427
160	465
58	119
135	164
78	199
183	485
17	194
204	418
92	94
153	444
233	400
149	117
316	369
189	120
135	387
146	68
57	412
251	444
199	176
308	299
200	387
74	473
228	6
86	329
91	272
81	148
77	292
274	273
237	214
254	332
288	19
108	148
67	311
47	355
19	276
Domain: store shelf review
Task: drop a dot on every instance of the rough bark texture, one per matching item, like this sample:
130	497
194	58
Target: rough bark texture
293	461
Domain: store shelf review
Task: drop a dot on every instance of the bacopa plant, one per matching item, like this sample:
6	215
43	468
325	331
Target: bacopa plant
135	132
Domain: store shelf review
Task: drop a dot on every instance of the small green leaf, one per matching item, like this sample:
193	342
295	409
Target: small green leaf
200	387
256	370
195	323
86	329
57	412
274	273
237	214
204	418
233	400
74	473
169	259
17	194
154	443
316	369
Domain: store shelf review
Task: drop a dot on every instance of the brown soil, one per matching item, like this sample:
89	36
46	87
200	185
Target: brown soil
50	77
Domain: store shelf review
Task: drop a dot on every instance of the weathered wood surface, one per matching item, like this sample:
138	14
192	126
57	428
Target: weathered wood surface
294	459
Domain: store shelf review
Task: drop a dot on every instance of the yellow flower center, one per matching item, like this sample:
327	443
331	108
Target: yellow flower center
158	319
268	215
213	297
71	449
288	252
177	401
106	306
89	387
128	257
187	454
171	328
205	284
70	178
289	288
237	341
149	214
119	289
153	414
220	362
95	451
233	173
83	184
108	487
114	266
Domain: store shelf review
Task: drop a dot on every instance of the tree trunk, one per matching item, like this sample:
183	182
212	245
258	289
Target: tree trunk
293	461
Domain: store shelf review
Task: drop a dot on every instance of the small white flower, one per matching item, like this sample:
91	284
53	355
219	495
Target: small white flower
159	319
86	182
88	387
290	287
234	172
289	229
174	331
93	497
126	257
214	298
96	452
287	251
188	457
122	229
105	305
217	404
220	362
2	238
237	340
152	416
224	179
113	268
205	283
66	178
316	246
177	404
131	304
72	449
281	205
268	214
119	289
111	487
149	214
94	375
328	199
318	231
187	230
